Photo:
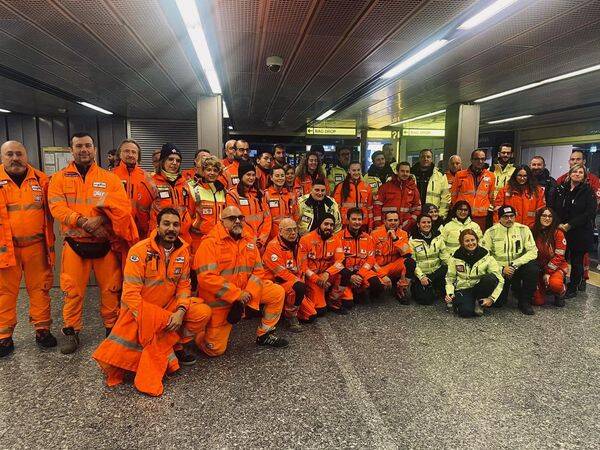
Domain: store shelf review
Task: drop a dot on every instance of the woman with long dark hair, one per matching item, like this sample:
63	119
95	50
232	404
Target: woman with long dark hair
522	193
575	204
310	170
459	219
353	192
551	245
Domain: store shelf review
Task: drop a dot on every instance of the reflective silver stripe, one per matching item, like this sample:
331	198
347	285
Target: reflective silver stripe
254	279
271	316
182	295
171	357
531	213
338	265
211	266
125	343
28	239
132	279
265	328
367	266
404	209
251	217
29	207
218	304
552	266
221	292
559	251
152	283
389	208
309	273
236	270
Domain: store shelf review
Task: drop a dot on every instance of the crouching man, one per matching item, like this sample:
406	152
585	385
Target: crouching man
157	316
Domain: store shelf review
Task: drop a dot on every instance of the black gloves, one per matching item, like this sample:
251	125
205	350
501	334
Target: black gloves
346	274
375	287
300	290
235	313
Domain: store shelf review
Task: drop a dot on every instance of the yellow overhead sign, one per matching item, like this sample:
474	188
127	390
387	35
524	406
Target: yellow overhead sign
323	131
378	134
421	132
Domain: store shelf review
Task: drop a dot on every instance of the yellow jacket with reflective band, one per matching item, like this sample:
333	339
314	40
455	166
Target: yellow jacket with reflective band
429	257
461	276
375	184
502	176
24	215
438	192
510	246
450	232
335	176
209	202
307	214
148	278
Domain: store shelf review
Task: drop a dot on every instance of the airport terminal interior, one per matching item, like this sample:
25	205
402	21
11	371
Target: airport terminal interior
388	77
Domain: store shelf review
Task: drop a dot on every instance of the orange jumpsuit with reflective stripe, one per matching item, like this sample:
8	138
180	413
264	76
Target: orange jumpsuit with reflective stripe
140	190
174	195
262	178
360	196
359	258
230	176
476	190
524	203
388	253
227	267
70	197
281	204
316	257
26	246
283	267
401	196
258	216
304	185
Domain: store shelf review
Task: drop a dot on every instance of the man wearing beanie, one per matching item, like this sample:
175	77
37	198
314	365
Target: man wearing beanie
321	260
314	206
513	247
172	189
252	203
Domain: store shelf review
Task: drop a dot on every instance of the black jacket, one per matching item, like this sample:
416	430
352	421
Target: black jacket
548	184
576	207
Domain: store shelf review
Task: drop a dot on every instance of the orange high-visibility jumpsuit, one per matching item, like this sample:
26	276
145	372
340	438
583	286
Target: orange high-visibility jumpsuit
70	197
140	190
258	216
401	196
281	204
226	268
316	257
173	195
359	258
209	201
262	178
360	196
388	253
150	283
524	203
189	174
283	267
26	246
477	191
304	185
230	176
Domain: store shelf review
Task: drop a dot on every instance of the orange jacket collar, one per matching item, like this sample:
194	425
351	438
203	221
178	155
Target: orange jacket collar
154	233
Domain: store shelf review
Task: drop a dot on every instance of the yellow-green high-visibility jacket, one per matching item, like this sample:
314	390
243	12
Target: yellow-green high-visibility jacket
335	176
512	246
438	192
429	257
462	276
307	213
502	176
451	231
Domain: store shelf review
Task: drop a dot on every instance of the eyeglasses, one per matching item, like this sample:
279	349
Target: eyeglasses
235	218
548	216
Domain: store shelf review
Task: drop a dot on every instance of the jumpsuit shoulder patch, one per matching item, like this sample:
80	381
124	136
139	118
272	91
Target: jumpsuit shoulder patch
274	257
134	258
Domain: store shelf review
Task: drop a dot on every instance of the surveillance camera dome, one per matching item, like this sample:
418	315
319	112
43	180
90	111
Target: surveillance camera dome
274	63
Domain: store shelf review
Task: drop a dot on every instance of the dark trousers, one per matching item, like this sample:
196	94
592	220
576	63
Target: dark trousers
426	295
464	300
576	260
523	283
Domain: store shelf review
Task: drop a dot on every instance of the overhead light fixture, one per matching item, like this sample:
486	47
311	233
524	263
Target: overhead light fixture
191	18
95	108
424	116
225	111
485	14
414	59
325	115
540	83
230	127
510	119
4	110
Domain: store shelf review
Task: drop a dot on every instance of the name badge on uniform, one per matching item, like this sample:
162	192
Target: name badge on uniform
306	219
36	187
180	259
3	182
98	194
460	268
99	184
419	248
164	194
273	203
244	202
486	178
235	180
373	185
338	177
37	198
207	211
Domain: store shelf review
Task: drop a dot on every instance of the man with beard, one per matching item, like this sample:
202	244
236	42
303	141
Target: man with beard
138	184
264	163
158	317
543	178
380	172
454	165
401	195
504	168
230	277
321	260
26	245
338	173
432	184
476	186
279	156
229	152
283	266
313	207
230	177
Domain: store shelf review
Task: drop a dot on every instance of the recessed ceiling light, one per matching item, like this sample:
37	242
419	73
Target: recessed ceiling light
4	110
405	64
485	14
95	108
412	119
511	119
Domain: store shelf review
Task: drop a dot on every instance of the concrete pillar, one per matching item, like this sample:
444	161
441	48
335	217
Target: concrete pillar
462	131
210	124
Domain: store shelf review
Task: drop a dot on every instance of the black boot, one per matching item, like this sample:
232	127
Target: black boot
45	339
7	346
526	308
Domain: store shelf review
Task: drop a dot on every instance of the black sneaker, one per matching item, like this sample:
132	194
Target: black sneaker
321	312
270	340
582	286
340	311
185	357
107	330
45	339
7	346
559	301
570	294
71	341
526	309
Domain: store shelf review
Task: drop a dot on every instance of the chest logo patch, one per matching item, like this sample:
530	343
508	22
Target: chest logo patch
99	184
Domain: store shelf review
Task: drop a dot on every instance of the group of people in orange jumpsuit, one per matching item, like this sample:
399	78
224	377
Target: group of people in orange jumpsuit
181	256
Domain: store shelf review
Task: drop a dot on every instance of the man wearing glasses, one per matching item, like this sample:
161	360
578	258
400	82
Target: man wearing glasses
476	185
231	278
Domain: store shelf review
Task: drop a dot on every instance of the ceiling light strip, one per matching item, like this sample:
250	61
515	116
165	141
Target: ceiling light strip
4	110
407	63
191	18
96	108
326	114
510	119
424	116
485	14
